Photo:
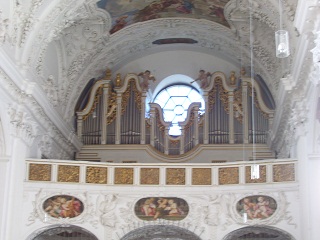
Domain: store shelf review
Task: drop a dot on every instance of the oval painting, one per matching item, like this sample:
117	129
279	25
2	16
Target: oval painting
256	207
63	206
154	208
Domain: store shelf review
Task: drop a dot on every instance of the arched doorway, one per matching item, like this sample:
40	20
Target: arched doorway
258	233
160	232
62	232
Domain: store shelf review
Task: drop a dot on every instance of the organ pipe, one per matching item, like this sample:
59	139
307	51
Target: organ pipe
228	117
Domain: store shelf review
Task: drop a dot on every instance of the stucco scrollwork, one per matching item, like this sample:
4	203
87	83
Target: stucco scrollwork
4	23
24	127
213	211
45	146
51	89
107	207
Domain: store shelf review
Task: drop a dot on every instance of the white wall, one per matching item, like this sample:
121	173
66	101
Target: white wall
212	210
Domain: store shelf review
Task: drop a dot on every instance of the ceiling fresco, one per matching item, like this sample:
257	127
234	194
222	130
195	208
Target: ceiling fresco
127	12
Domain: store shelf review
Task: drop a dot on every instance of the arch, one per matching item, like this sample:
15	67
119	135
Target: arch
174	79
258	232
63	231
160	232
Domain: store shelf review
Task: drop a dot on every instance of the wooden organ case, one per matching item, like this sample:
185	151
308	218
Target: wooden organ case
116	113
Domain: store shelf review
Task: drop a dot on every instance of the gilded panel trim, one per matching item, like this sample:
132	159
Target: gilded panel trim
176	176
112	107
263	175
97	175
237	104
123	176
283	172
39	172
68	173
229	175
150	176
132	89
201	176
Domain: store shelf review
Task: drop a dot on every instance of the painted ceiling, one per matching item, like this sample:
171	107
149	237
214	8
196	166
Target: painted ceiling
127	12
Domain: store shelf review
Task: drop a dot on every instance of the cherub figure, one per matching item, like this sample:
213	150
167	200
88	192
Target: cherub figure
146	77
262	208
203	78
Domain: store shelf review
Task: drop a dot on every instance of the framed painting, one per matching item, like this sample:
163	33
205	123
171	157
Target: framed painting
154	208
63	206
256	207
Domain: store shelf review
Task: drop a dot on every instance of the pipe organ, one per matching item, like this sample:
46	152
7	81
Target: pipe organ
116	113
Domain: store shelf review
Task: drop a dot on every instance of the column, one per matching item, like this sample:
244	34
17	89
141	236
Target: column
245	112
182	139
79	126
196	126
153	123
166	140
105	103
231	118
206	119
118	119
143	119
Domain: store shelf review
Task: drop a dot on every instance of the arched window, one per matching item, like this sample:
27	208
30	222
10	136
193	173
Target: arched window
175	101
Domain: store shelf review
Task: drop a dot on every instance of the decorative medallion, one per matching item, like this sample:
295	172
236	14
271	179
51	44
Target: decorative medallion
169	208
63	206
256	207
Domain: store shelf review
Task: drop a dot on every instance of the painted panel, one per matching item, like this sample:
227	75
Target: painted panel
257	207
154	208
125	13
63	206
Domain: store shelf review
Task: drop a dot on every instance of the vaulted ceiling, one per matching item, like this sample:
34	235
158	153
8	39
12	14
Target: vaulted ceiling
59	46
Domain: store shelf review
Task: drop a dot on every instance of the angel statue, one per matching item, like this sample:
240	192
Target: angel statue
203	78
146	77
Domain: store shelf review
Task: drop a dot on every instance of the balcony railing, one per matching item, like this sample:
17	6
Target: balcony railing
140	174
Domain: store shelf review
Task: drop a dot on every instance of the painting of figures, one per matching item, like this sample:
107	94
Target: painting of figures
154	208
257	207
127	12
63	206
